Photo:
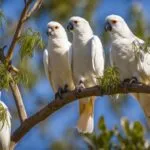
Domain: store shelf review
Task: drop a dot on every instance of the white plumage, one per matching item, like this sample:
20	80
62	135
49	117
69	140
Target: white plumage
128	56
57	58
87	66
5	129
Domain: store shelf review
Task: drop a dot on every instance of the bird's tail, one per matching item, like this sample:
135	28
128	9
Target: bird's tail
86	120
144	100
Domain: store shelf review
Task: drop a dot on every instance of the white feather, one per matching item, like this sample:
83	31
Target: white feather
5	130
88	65
45	62
125	57
57	58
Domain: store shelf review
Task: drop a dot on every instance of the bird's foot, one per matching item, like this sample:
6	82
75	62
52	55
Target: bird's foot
134	80
59	93
126	81
80	87
131	81
66	88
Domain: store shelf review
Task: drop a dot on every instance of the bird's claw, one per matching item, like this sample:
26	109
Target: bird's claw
130	81
126	81
80	87
133	80
65	88
59	93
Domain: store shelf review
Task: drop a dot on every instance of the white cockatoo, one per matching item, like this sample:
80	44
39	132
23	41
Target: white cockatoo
128	56
57	59
87	66
5	128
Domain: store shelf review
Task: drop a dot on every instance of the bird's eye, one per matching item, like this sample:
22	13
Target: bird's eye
75	22
56	27
114	21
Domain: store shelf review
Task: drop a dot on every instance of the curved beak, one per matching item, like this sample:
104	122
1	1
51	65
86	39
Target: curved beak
108	26
49	31
70	26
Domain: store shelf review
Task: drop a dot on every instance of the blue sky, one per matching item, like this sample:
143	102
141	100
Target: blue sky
66	117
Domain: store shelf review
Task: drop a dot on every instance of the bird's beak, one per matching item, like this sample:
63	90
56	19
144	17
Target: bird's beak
49	32
108	26
70	26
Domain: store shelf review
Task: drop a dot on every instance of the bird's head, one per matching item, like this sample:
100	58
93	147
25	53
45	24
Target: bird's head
78	25
117	25
55	30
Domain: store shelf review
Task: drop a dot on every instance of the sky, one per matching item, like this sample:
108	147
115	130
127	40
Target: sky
59	122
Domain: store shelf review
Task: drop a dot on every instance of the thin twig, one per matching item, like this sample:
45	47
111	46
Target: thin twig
24	16
18	100
14	69
56	104
36	6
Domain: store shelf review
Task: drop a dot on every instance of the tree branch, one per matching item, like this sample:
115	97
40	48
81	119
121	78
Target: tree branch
24	16
18	100
56	104
14	87
36	6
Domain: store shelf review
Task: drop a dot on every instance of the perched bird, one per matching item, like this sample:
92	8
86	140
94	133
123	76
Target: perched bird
57	59
5	128
128	55
87	66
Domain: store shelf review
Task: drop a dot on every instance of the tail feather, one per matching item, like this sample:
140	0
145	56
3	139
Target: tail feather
144	100
86	120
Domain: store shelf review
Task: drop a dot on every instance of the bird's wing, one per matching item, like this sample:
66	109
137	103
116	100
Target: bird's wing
144	73
111	58
97	56
70	54
143	60
144	68
46	65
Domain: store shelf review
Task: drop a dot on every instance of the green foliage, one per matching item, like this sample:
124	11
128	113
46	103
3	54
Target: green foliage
58	10
138	19
26	75
103	140
61	10
146	46
132	137
3	116
110	79
87	8
59	145
29	41
129	137
140	48
4	77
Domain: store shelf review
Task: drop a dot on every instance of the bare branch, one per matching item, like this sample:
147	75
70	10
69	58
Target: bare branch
14	69
56	104
36	6
24	16
19	101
